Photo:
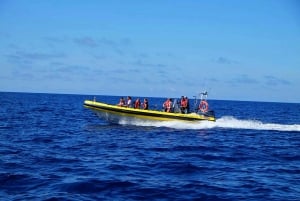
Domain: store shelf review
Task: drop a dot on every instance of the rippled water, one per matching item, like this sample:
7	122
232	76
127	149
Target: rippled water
52	148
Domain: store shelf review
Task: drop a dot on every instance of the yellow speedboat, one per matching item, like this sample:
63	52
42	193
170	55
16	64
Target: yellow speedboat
114	113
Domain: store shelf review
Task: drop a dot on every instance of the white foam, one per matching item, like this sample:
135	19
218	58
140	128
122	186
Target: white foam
223	122
231	122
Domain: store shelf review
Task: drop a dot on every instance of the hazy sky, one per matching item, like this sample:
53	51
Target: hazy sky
237	50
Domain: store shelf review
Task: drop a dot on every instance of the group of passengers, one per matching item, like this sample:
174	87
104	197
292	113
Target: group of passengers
182	106
136	105
168	105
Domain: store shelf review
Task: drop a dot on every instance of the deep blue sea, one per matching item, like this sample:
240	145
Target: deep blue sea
52	148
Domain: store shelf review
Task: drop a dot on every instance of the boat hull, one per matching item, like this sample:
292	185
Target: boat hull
114	113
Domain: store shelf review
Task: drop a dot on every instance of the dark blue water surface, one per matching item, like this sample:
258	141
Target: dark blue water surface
52	148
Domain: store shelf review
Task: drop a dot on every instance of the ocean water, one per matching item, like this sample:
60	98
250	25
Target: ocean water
52	148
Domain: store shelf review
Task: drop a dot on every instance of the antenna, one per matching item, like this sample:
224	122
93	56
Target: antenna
203	95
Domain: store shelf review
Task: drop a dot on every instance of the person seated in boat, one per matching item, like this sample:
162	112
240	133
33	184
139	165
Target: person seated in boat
188	105
167	105
137	103
184	105
176	106
129	102
122	102
145	104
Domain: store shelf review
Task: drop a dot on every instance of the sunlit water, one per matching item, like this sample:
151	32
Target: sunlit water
52	148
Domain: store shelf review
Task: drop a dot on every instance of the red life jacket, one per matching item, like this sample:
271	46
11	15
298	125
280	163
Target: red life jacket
168	105
183	102
137	104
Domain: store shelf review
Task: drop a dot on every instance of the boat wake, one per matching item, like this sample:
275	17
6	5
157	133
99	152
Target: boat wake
223	122
231	122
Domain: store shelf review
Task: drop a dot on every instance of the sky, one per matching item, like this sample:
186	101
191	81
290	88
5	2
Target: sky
236	50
